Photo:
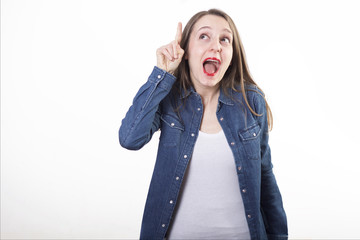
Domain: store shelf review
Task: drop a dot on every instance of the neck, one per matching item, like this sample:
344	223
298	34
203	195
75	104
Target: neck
209	95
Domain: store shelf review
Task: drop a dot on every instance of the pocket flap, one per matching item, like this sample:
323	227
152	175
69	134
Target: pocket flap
250	133
172	121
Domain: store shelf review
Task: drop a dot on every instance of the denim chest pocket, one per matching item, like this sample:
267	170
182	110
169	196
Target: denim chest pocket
171	129
250	138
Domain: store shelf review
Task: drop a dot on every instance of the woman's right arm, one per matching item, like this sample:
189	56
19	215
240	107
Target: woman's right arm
143	117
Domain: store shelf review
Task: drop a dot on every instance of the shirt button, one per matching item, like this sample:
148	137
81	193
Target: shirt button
249	216
239	168
164	224
193	135
221	118
159	76
244	190
172	124
232	143
254	134
171	202
198	109
185	156
177	178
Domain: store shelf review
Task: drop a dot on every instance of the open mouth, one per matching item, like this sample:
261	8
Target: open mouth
211	66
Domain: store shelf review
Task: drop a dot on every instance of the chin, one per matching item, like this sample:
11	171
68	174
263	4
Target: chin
206	81
210	82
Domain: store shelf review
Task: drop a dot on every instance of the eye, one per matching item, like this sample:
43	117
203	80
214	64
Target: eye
226	40
203	36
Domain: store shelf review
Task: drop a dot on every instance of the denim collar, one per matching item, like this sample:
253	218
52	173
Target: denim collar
186	93
228	100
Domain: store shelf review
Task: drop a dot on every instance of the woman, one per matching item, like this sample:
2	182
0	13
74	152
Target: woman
213	175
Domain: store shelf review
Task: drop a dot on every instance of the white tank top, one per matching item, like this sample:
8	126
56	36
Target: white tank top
210	205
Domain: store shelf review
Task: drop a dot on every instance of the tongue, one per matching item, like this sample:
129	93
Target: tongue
210	67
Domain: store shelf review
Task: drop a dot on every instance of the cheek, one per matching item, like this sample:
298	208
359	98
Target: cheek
194	59
192	63
196	51
227	57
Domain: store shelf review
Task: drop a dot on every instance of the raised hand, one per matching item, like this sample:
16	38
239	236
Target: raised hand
170	55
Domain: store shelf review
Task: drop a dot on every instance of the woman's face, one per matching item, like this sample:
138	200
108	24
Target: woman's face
210	51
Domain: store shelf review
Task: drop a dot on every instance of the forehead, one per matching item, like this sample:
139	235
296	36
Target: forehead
213	22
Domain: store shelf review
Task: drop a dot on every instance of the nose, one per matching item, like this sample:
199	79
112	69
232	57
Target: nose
215	46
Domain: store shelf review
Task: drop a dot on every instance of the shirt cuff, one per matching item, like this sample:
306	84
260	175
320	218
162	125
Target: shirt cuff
162	79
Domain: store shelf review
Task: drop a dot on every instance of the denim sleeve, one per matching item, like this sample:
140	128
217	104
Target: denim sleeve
271	201
143	117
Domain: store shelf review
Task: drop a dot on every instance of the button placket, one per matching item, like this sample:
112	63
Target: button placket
177	178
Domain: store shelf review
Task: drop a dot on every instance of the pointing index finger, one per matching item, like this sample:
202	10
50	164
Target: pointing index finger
178	33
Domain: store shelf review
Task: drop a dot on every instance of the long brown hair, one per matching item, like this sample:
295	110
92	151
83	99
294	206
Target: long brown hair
237	74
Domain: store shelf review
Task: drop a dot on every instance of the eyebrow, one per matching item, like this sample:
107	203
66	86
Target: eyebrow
205	27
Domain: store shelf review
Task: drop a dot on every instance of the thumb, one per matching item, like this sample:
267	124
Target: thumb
180	51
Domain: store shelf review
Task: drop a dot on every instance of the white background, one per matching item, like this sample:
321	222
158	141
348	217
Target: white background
69	72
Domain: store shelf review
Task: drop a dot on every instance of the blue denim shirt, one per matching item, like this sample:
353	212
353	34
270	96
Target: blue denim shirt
154	107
